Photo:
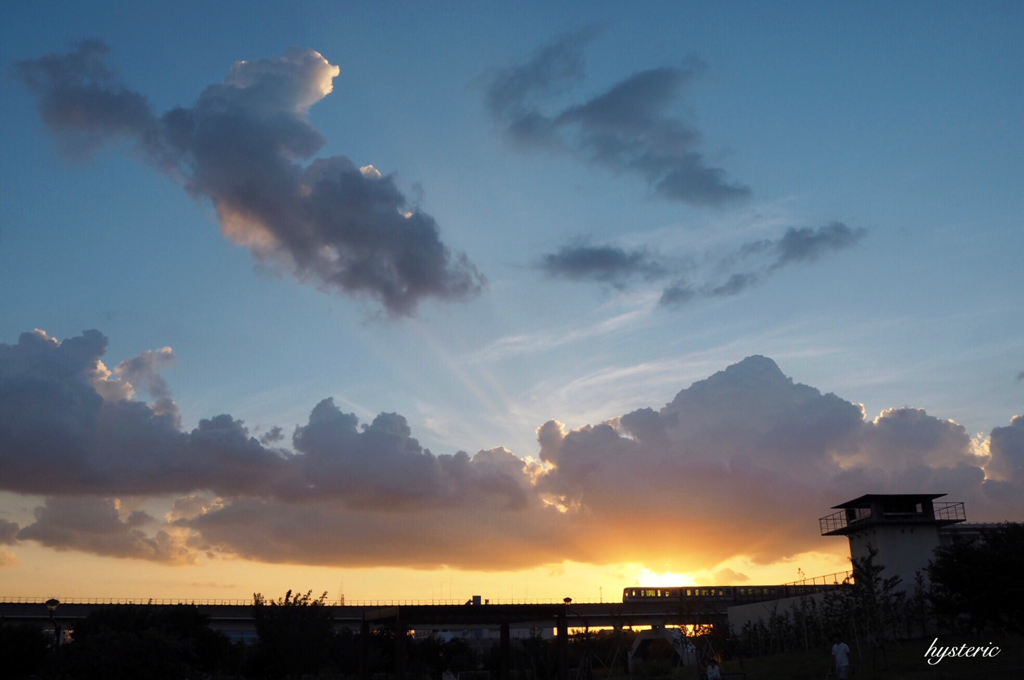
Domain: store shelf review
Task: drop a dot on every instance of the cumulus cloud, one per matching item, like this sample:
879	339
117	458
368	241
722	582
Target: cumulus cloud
738	464
59	435
95	525
1006	446
332	223
625	128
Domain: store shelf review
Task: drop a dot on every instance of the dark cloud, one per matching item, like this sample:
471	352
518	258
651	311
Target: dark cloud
8	532
82	101
272	436
380	466
616	266
603	263
735	465
679	293
736	284
1007	450
1020	376
67	428
808	245
95	525
795	246
332	223
625	129
552	69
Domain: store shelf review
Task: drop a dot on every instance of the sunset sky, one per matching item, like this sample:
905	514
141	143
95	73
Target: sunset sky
423	301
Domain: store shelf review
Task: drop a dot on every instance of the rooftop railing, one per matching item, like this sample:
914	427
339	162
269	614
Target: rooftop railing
833	522
950	512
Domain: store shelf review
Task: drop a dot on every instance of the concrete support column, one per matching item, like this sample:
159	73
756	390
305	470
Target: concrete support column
563	647
364	651
504	652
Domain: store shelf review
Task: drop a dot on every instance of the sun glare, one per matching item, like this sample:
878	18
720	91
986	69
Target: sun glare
646	577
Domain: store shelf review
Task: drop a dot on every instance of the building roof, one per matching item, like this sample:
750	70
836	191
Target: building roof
867	499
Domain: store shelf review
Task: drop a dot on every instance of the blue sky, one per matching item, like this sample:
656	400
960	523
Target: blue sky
900	121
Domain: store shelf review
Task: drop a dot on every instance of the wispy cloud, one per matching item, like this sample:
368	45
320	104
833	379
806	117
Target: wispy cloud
626	129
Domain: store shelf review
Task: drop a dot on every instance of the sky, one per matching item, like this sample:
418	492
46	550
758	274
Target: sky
405	301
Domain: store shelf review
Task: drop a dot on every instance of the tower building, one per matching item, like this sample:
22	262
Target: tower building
903	528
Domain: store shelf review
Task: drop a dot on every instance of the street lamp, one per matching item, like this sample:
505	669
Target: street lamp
52	605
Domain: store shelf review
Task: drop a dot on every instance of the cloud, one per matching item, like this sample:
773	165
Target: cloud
94	525
626	128
60	435
729	576
808	245
331	223
8	532
603	263
272	436
1020	376
8	559
616	266
677	294
738	464
1007	450
795	246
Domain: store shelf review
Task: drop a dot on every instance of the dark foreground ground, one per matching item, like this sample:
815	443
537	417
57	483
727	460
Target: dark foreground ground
903	660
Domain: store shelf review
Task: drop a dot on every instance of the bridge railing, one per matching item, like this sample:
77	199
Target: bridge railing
826	580
248	601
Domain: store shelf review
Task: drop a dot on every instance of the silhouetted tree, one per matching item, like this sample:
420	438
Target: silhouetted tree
294	635
124	641
976	584
23	649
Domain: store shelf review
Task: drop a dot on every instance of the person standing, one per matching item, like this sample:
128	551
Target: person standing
714	671
840	657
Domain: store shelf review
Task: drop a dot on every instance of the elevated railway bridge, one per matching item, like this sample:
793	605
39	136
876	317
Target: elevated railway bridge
640	607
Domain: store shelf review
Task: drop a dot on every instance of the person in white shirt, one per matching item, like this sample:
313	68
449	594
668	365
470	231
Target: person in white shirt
840	658
714	671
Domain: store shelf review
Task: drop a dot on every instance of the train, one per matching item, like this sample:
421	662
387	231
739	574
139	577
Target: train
737	594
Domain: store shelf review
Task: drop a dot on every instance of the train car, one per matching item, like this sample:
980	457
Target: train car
683	593
738	594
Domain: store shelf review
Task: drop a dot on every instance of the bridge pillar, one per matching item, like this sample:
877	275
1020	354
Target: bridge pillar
504	655
563	647
364	651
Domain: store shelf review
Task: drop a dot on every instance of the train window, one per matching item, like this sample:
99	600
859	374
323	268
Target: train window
688	593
